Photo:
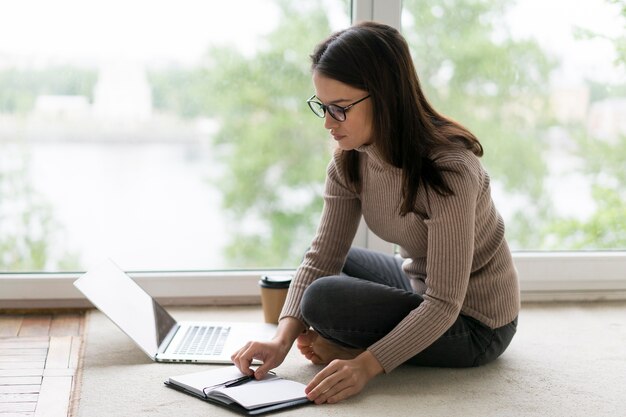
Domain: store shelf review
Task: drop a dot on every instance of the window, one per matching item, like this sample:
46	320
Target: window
542	86
166	135
182	184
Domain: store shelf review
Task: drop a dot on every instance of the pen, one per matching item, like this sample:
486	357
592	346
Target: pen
239	381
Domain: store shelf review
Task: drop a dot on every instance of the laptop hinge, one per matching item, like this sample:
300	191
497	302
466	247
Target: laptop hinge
168	339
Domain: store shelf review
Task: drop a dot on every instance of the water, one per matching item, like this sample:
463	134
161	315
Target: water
154	206
147	206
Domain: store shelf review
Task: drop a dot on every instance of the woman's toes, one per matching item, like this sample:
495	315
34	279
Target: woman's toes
306	339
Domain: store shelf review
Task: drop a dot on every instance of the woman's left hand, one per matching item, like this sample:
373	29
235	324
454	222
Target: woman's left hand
341	379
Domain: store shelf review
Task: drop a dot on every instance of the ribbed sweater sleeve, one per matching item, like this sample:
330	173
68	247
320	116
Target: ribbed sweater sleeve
338	224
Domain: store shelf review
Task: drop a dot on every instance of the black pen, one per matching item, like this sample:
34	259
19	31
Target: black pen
239	381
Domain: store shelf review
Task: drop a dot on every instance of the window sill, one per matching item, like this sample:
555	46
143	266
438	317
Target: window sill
549	276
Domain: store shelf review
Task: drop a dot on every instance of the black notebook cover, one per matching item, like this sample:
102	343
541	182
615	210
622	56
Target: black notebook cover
242	410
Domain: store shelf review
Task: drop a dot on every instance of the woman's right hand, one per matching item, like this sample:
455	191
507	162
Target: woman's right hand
272	353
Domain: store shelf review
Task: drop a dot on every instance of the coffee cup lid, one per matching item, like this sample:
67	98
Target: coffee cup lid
275	281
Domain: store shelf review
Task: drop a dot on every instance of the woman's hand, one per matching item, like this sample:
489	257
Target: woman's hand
341	379
271	353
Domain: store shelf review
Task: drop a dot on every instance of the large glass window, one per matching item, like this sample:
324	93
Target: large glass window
543	86
165	135
174	135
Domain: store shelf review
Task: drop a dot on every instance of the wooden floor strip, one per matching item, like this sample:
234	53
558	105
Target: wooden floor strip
54	397
38	325
18	349
25	343
10	325
22	365
18	398
23	358
19	389
22	414
77	346
39	358
20	380
12	407
65	325
59	352
21	372
58	372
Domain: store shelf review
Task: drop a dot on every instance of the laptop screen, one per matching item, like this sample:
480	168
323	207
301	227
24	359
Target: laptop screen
124	302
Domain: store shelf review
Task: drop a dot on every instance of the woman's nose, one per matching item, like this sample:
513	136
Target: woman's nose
329	121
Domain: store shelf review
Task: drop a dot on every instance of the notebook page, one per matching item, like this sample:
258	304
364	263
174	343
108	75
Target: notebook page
197	381
256	394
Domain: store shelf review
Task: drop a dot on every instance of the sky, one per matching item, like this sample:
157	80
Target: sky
36	32
551	23
127	29
144	30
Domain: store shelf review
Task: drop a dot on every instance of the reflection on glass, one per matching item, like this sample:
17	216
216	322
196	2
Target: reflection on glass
542	85
171	142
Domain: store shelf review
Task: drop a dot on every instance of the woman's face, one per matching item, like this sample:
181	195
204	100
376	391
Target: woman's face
356	130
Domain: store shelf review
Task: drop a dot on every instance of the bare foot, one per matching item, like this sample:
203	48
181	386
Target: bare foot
321	351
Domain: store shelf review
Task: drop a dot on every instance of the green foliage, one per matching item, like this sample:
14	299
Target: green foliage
273	150
29	230
606	227
602	160
619	42
494	86
20	88
27	225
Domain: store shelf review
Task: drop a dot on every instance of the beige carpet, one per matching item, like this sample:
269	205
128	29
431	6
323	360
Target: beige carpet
566	360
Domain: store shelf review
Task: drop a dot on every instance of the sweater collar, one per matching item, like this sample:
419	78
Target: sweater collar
374	155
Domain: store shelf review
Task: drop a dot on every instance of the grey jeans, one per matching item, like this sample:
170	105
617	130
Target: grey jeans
373	295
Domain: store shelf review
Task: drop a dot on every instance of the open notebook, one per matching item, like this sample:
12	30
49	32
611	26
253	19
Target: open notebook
226	387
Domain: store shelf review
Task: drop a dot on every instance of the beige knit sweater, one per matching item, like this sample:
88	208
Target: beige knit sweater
455	251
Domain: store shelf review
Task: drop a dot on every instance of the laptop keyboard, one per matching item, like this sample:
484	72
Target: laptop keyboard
203	340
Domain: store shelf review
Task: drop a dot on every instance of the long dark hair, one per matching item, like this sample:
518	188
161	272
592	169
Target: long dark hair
406	128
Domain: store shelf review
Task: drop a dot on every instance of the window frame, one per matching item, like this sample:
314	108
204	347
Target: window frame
544	276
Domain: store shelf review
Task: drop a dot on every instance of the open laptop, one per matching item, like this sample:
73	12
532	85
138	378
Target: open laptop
154	330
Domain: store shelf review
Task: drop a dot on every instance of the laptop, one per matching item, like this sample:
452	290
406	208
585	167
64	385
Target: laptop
154	330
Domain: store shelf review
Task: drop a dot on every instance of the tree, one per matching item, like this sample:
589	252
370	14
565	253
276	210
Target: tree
29	232
493	85
273	150
603	163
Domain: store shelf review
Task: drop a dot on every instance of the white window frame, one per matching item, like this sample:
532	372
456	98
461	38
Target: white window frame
544	276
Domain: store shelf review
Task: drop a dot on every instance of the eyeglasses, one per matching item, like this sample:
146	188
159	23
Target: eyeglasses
336	112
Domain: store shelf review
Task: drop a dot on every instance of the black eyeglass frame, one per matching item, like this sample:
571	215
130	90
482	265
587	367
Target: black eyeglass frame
332	108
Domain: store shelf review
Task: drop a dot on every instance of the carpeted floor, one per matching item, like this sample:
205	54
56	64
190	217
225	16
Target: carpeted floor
566	360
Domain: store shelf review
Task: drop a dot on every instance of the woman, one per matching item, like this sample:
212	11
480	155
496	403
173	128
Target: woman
452	299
